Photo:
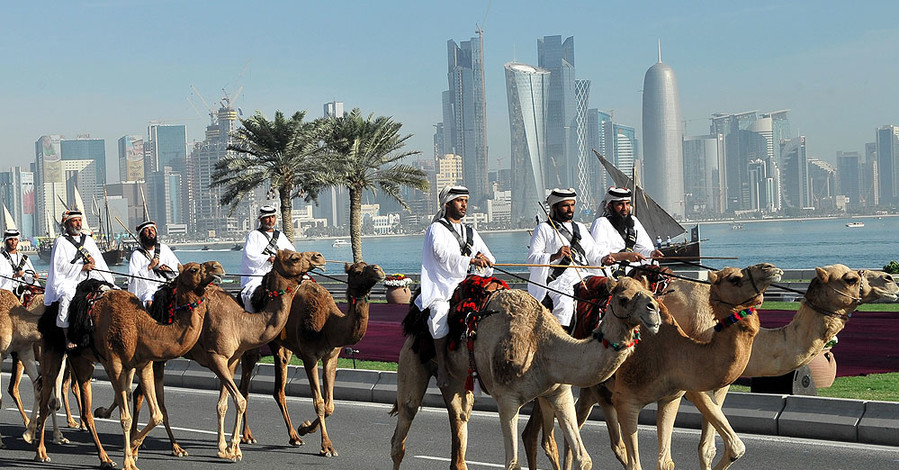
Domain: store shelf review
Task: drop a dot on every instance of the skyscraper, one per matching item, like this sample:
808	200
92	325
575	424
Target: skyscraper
794	180
557	57
56	177
165	170
526	89
849	170
887	168
586	189
663	172
131	158
465	113
702	184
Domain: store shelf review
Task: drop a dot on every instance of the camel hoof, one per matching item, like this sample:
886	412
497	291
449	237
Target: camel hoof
179	451
306	428
61	441
73	424
38	458
2	445
248	440
28	437
328	453
107	464
296	442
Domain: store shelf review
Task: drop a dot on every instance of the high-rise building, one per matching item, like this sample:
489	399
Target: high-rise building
17	194
465	113
870	193
131	158
56	177
887	165
702	173
586	188
600	137
822	184
333	109
526	90
449	170
209	218
794	179
165	170
663	172
625	148
557	57
333	202
84	147
849	175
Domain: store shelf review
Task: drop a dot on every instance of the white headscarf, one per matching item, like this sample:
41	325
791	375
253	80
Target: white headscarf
447	194
615	194
558	195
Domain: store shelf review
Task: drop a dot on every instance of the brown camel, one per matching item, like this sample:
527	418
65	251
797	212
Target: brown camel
228	332
522	353
832	296
316	331
672	362
117	318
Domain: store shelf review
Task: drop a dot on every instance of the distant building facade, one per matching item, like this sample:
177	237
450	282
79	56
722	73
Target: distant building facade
663	167
131	158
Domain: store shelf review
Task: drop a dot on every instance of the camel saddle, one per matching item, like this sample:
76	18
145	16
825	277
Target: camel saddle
470	297
591	305
81	325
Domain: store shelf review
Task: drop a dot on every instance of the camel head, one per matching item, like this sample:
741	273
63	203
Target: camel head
632	303
213	272
190	277
877	285
361	277
293	265
742	288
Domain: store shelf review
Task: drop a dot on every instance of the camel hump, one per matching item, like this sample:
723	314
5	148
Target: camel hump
514	352
315	305
81	327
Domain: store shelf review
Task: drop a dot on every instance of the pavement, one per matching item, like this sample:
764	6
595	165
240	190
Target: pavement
862	421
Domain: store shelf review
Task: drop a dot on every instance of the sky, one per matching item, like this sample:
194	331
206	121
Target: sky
107	68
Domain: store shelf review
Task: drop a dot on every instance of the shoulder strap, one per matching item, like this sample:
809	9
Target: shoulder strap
271	248
9	258
464	246
629	235
83	254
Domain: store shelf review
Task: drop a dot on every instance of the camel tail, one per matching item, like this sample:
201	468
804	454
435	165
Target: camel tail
395	410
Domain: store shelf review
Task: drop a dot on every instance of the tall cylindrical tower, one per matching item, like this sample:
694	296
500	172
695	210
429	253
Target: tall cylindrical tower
663	160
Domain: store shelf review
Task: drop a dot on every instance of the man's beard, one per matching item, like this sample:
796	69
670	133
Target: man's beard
147	242
8	246
72	231
619	222
562	216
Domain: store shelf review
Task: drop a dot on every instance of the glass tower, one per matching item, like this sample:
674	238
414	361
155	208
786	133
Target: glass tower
526	89
465	113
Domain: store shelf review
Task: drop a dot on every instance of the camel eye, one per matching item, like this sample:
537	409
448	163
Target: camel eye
734	280
623	301
852	280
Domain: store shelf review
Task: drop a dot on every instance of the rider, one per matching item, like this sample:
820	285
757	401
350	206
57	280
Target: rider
619	234
259	252
151	264
17	270
450	250
75	258
560	241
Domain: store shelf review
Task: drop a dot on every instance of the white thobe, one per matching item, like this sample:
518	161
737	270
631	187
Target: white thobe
545	242
443	267
255	263
610	241
8	272
144	281
65	275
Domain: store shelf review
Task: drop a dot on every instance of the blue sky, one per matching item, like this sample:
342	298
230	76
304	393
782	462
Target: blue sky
106	68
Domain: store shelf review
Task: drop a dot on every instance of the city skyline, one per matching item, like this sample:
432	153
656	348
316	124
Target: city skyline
87	70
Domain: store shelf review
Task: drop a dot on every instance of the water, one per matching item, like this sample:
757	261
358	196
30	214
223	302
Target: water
789	244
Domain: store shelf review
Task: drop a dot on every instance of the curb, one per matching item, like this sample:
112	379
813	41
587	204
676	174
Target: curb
864	421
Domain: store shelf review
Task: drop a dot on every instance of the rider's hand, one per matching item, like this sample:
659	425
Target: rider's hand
564	252
153	264
271	259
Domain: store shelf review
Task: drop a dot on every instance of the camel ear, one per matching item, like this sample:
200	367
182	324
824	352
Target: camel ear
180	267
610	284
822	274
713	277
346	267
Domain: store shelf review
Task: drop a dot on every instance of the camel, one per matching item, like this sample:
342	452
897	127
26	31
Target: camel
125	339
522	353
672	362
316	331
228	332
832	296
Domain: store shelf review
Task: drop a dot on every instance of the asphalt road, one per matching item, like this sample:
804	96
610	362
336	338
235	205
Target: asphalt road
361	433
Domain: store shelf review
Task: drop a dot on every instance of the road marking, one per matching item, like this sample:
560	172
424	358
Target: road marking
467	462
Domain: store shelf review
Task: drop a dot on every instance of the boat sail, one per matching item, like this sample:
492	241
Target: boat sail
656	220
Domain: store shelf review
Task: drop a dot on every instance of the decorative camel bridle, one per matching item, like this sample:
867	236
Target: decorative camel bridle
616	346
855	300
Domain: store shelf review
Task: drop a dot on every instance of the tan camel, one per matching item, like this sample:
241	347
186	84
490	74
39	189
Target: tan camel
832	296
228	332
521	354
672	362
117	317
316	331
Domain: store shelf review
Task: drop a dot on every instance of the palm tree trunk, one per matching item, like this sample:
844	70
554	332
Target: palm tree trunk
286	211
356	223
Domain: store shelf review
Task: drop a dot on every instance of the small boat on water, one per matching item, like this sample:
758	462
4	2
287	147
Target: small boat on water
340	242
205	248
855	224
237	247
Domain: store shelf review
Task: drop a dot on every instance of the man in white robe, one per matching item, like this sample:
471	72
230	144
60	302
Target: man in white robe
450	249
259	252
15	268
75	258
561	241
151	265
620	235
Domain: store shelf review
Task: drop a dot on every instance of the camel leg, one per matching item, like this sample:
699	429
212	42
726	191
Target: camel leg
628	415
148	382
733	446
159	376
318	401
540	420
51	362
667	412
411	384
247	365
82	369
68	383
282	357
120	383
13	389
508	420
707	437
225	372
459	403
329	373
588	397
561	402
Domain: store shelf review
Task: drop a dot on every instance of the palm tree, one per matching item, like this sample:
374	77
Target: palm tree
363	155
284	152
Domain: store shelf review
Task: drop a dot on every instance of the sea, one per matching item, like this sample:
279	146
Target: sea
787	243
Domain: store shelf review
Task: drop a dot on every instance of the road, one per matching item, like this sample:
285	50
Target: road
361	433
